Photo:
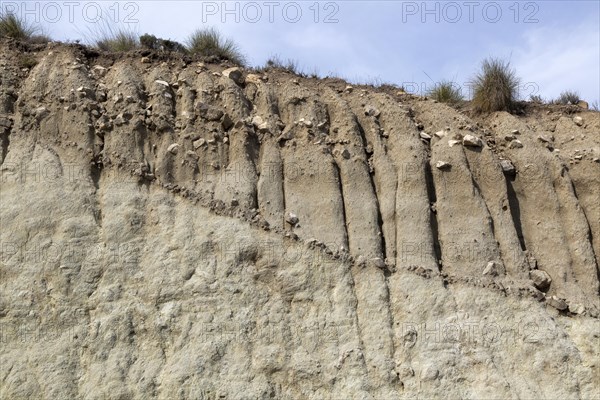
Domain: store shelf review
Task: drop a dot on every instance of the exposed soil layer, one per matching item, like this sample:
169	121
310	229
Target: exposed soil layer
173	228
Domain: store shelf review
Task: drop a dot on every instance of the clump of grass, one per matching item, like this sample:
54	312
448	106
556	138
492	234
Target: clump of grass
495	87
15	27
149	41
152	42
568	97
112	37
120	40
210	43
446	92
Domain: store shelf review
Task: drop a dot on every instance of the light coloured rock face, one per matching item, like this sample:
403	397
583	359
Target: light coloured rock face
319	259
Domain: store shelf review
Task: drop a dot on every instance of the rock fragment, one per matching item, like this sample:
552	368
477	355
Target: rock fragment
122	118
429	373
543	139
541	279
577	308
376	262
442	165
199	143
578	121
306	122
508	167
292	219
471	141
557	303
41	113
371	111
99	71
492	269
209	112
253	78
5	123
235	74
226	122
516	144
260	124
173	148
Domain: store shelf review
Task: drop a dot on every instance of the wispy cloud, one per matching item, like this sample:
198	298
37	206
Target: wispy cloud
559	59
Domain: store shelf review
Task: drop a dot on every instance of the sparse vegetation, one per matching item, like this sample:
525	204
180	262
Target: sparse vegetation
152	42
314	73
289	65
149	41
536	98
374	81
495	87
568	97
39	39
117	41
15	27
391	87
108	36
446	92
210	43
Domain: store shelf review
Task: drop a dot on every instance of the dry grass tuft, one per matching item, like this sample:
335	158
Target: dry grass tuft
495	87
210	43
446	92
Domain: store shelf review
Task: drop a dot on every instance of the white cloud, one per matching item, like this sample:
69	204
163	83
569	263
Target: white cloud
561	59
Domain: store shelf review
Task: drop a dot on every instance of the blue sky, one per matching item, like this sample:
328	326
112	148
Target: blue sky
553	45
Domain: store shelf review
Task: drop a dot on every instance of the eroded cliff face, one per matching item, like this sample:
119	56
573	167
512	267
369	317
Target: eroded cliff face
172	232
